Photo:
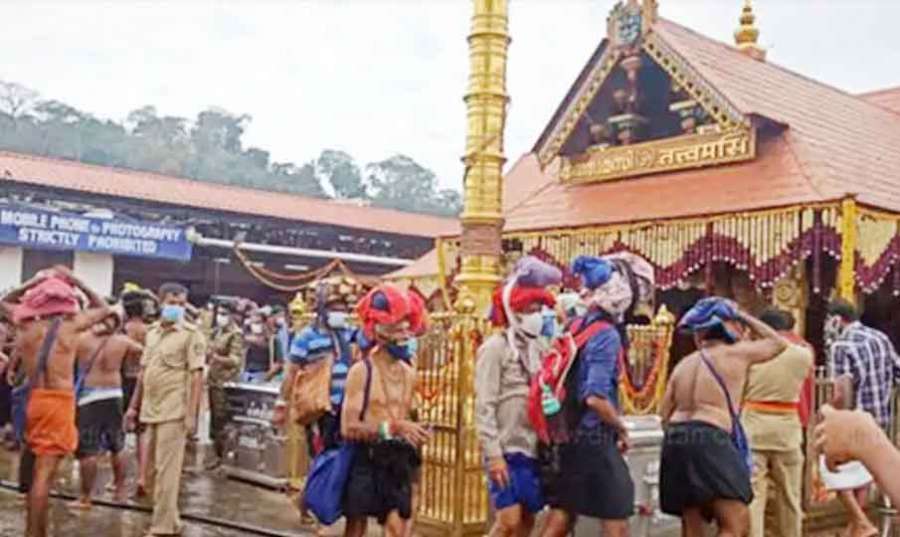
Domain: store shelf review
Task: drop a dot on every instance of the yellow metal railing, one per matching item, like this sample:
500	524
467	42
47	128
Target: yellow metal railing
452	492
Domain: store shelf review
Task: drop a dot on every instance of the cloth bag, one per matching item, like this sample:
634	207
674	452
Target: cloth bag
323	495
311	395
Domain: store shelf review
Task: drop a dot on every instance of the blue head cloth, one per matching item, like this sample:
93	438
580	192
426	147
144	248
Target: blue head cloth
380	302
708	313
594	271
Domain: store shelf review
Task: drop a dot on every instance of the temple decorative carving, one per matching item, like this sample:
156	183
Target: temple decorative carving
642	110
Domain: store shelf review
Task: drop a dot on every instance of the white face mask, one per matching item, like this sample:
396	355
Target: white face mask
531	324
337	319
223	320
256	328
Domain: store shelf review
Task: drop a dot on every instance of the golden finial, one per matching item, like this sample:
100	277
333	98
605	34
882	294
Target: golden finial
651	12
747	35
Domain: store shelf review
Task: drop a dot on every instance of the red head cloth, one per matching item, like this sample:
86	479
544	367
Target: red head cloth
53	296
519	300
388	304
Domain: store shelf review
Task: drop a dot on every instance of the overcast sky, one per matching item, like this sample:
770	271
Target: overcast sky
378	77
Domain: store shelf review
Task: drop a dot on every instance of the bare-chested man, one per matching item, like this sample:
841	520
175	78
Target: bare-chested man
704	473
47	313
101	353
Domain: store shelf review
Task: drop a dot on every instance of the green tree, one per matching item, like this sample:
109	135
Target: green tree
400	182
342	173
299	179
210	148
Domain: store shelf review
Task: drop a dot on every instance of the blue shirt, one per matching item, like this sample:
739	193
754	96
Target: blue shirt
598	372
314	343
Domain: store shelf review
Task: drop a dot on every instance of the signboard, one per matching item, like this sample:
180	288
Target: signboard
35	228
660	156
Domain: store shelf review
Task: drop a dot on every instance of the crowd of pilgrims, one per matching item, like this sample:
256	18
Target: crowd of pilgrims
81	372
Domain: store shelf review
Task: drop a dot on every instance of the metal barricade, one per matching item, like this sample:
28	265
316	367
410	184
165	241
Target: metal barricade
452	492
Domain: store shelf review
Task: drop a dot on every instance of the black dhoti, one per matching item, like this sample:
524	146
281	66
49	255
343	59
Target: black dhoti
700	464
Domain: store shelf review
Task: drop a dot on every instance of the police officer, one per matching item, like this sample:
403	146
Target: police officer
167	400
226	360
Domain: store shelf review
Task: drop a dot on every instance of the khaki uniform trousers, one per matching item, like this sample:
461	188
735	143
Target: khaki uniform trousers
782	470
166	445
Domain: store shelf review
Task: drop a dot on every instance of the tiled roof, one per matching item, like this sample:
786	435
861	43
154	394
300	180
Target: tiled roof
835	144
70	175
886	98
774	179
425	266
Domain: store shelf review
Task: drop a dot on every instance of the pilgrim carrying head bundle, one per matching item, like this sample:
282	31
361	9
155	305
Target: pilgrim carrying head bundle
527	285
616	283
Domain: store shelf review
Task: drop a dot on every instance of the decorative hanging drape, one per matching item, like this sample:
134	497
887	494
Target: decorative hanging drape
765	244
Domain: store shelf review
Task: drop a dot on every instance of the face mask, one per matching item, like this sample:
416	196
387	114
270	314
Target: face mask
548	330
400	351
337	319
531	324
223	320
171	313
580	310
256	328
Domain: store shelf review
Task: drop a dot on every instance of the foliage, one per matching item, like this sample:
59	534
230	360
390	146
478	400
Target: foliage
210	148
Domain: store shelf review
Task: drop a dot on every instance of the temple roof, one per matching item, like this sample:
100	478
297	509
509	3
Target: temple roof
146	186
887	98
821	145
425	266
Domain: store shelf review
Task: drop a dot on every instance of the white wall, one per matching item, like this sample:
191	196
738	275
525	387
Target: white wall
11	258
95	270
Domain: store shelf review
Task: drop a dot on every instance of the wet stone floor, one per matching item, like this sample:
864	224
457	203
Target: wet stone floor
203	493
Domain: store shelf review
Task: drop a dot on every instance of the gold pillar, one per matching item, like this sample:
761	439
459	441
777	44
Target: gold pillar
846	284
486	101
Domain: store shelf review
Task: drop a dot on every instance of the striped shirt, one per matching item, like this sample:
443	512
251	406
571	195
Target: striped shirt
868	357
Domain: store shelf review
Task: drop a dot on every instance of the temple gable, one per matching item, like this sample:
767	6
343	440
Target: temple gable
639	108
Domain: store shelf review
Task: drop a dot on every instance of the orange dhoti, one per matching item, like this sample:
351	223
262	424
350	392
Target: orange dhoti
51	429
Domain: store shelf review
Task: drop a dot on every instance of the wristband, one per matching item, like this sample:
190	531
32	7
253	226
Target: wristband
384	431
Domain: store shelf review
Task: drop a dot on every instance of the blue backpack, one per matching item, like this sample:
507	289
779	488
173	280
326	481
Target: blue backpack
323	495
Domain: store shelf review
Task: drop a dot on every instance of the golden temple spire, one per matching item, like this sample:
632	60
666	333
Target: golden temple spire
747	35
486	101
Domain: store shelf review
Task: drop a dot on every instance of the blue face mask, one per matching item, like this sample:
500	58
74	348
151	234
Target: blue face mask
171	313
403	352
548	330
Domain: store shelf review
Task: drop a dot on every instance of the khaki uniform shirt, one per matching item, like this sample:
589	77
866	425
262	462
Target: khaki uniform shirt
779	380
227	355
170	355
